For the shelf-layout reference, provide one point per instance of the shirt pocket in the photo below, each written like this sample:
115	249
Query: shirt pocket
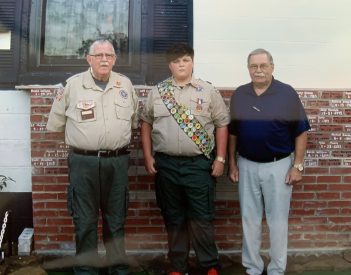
85	111
124	108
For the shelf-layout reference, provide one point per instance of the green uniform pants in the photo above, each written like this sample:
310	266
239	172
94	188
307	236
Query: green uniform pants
98	183
185	194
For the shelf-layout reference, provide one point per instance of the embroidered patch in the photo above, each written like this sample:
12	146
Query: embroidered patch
199	88
86	104
59	95
123	94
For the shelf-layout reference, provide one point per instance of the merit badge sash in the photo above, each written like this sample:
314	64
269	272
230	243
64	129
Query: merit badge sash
185	119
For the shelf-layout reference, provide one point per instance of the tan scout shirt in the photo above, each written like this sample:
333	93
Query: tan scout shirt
94	119
206	104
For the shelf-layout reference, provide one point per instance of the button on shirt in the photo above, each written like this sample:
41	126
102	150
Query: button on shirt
94	119
205	103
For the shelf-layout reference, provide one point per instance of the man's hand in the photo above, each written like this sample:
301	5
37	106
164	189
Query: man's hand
233	173
217	168
150	165
293	177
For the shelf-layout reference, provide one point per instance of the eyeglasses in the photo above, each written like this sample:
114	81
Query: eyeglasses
263	67
100	56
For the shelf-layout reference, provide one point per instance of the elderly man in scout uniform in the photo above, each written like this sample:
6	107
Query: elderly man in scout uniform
97	111
179	119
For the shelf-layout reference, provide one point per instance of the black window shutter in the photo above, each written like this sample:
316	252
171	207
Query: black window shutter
10	20
172	21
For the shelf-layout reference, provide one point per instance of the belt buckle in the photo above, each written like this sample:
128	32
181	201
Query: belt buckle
101	152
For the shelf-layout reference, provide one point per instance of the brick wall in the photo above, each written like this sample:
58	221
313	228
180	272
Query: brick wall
320	211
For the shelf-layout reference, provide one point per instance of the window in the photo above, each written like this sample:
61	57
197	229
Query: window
70	27
56	33
67	28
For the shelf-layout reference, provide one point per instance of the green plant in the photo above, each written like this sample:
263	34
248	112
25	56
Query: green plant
4	180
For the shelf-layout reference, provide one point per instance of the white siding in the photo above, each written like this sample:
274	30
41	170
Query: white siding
15	161
310	40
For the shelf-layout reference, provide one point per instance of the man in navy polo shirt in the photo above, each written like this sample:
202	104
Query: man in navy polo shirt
267	144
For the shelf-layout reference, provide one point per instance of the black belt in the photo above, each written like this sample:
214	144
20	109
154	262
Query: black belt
101	153
193	158
269	159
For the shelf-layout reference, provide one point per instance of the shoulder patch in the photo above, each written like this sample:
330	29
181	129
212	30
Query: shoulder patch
59	94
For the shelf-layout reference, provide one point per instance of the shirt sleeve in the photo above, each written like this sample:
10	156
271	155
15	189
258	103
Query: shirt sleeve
233	125
147	113
57	117
219	110
301	123
135	117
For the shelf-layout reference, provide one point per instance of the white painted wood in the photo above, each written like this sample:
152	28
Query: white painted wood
15	159
310	40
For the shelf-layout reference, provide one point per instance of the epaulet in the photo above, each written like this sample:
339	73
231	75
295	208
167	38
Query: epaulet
73	76
121	75
205	83
199	80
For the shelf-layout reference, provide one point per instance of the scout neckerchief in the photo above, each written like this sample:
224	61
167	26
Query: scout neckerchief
185	119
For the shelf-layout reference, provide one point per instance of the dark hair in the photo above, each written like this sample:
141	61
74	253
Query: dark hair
179	50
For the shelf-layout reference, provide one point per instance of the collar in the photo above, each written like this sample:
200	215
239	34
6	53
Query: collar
193	82
269	89
89	83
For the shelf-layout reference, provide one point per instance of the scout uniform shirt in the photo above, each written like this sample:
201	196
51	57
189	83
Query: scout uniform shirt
94	119
204	102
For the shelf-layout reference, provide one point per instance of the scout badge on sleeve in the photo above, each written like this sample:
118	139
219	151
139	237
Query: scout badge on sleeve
86	109
186	120
59	94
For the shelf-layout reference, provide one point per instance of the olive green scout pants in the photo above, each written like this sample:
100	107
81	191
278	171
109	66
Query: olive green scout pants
185	194
98	183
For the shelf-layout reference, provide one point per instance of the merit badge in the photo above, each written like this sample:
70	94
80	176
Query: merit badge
123	94
199	102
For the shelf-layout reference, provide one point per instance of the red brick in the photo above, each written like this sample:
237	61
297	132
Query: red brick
328	195
329	179
324	191
332	95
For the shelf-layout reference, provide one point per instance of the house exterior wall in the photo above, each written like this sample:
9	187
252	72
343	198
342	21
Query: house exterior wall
320	209
309	40
310	44
15	161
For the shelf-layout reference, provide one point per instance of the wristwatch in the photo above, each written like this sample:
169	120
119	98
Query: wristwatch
220	159
299	167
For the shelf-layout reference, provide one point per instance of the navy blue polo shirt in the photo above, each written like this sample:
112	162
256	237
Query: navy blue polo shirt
266	125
